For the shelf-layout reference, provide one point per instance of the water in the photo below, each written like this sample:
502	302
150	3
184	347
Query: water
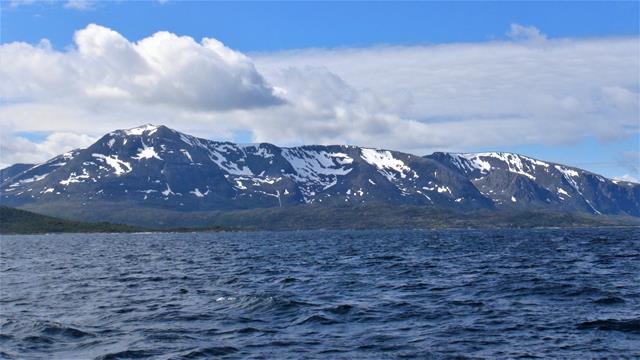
322	294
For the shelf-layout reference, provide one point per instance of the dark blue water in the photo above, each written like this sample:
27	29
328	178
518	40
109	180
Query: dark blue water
322	294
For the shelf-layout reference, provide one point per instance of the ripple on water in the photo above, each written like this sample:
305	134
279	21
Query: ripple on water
624	325
322	294
52	329
210	351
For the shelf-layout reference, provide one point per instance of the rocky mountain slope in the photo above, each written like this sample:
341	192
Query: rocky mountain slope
155	167
522	182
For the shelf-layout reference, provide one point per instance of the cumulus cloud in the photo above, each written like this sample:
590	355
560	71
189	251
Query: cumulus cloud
161	69
528	90
18	149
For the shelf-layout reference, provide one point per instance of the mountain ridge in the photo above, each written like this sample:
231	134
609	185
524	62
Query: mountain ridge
157	167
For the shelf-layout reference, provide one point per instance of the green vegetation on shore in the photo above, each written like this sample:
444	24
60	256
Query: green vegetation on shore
379	216
16	221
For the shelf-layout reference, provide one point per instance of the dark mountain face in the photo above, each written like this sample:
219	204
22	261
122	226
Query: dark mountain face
157	167
512	180
13	170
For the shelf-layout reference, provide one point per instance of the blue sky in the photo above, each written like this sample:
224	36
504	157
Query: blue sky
266	31
267	26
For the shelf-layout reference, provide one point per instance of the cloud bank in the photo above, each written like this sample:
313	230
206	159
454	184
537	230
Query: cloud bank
491	94
526	90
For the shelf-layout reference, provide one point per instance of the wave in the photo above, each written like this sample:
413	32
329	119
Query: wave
627	325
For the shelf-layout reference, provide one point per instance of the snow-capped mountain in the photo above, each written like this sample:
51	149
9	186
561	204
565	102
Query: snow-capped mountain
520	181
157	167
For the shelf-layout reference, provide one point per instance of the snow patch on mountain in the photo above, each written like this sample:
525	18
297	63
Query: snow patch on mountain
147	153
239	185
259	181
469	163
316	168
221	154
311	164
342	159
69	155
168	191
197	193
31	179
191	140
515	163
187	154
58	161
229	157
386	164
569	174
147	191
231	167
73	178
119	166
137	131
257	150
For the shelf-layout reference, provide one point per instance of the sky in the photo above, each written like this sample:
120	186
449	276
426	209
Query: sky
558	81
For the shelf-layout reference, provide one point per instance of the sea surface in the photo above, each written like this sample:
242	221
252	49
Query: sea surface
554	293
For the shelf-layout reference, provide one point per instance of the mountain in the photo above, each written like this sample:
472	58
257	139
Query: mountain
154	168
522	182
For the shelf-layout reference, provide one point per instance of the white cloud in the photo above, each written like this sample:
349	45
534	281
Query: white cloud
17	149
461	96
627	177
161	69
630	160
414	98
79	4
525	33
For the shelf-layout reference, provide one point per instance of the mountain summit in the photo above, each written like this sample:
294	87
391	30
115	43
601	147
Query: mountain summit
155	167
